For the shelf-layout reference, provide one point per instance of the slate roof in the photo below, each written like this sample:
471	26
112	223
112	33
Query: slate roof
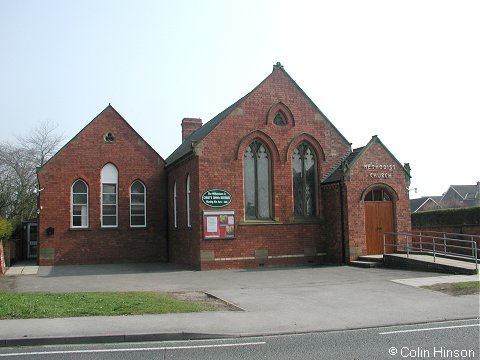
467	192
186	147
416	204
337	174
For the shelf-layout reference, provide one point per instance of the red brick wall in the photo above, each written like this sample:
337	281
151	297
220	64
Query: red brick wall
333	212
220	165
184	246
359	181
83	158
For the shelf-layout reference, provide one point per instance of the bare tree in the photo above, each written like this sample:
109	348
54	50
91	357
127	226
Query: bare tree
18	165
42	141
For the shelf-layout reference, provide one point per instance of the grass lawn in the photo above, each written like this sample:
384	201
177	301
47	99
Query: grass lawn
457	289
50	305
467	285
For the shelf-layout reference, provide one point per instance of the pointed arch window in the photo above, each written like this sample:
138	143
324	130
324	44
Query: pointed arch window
304	166
138	204
79	204
257	181
280	119
109	216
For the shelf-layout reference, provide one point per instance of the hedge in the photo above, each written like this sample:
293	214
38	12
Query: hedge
447	217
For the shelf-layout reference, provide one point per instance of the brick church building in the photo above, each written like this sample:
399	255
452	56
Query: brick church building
269	181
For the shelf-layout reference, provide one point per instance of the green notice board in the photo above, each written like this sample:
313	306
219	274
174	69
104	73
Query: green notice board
216	198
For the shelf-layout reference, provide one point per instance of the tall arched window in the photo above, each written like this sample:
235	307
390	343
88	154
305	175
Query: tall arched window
188	201
257	181
109	196
79	204
138	204
175	204
304	180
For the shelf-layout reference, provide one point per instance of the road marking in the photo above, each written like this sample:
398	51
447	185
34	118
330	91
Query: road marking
427	329
67	352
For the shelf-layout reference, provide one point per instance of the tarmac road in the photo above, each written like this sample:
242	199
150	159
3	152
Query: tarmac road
275	301
446	340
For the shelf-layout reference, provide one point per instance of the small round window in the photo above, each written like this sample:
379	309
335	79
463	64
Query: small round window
109	137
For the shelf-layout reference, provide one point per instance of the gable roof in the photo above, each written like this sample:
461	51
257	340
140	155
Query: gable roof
352	158
417	204
467	192
108	108
187	146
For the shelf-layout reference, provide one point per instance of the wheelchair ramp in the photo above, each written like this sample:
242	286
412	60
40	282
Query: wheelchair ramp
426	262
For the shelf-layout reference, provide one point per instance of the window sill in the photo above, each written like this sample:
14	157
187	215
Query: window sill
79	229
137	228
305	220
259	222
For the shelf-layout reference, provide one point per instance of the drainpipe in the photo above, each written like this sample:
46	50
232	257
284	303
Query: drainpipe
342	214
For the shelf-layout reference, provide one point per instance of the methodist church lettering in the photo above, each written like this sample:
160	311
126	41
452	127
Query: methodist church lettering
216	198
380	171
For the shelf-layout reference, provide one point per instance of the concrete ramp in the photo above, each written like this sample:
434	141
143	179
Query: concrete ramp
425	262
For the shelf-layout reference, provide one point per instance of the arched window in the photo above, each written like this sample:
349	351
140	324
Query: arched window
175	204
79	204
304	180
188	201
109	196
378	195
138	204
257	181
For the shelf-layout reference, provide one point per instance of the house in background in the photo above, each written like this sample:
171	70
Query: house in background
458	196
425	203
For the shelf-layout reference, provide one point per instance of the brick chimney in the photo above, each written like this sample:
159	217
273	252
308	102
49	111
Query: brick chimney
189	125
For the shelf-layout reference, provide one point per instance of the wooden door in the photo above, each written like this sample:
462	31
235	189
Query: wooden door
378	219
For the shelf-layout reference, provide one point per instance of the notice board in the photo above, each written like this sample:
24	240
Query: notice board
219	224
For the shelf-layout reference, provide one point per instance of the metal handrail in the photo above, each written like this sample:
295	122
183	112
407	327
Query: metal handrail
410	245
445	233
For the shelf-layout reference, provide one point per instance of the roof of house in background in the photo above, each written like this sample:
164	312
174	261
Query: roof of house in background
417	204
467	192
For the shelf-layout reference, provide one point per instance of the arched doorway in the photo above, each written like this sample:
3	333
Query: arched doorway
378	220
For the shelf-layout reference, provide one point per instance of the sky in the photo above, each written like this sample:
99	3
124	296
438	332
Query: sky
407	71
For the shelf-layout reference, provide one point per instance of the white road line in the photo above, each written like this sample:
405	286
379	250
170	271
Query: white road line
427	329
67	352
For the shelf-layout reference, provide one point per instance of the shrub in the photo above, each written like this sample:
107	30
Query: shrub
6	229
447	217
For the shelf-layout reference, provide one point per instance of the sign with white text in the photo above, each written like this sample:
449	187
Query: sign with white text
216	198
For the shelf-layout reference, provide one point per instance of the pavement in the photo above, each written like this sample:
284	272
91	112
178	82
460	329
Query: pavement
274	301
